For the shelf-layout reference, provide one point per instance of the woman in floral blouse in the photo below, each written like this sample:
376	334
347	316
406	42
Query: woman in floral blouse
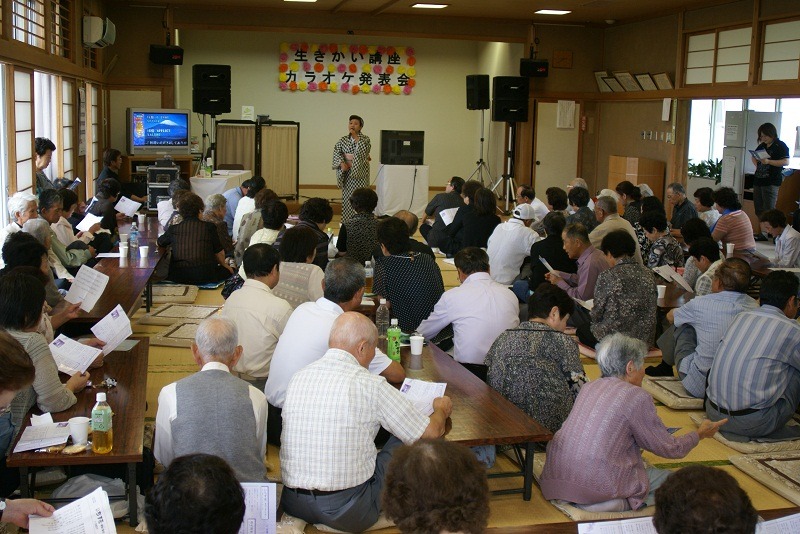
664	249
536	366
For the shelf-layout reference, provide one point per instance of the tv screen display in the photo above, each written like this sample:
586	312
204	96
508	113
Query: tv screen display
157	131
402	147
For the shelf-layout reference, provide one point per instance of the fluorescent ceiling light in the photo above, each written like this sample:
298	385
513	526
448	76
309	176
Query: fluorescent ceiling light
552	12
309	1
430	6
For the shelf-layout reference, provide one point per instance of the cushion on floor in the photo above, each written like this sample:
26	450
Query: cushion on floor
178	334
176	294
751	447
170	313
670	392
780	472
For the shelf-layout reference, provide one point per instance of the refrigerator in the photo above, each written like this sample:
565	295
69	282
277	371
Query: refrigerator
741	135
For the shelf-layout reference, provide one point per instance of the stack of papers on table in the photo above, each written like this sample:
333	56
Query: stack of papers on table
422	393
88	515
39	436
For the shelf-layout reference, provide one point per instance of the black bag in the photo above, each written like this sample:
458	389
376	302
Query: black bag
232	284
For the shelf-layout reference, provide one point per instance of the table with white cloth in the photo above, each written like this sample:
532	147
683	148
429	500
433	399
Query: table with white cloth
402	187
219	182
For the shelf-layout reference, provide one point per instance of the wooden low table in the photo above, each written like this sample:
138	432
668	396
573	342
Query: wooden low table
674	297
760	265
127	400
481	416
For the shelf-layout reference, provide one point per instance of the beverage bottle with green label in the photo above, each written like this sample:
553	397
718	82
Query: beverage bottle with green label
102	433
393	341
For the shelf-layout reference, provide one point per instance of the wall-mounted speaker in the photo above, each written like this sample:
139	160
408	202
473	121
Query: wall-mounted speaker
509	99
534	68
211	101
166	55
478	91
211	76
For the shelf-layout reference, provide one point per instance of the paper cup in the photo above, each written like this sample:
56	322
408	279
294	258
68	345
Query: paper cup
662	290
144	250
79	430
123	261
123	250
730	247
142	219
416	344
143	261
123	238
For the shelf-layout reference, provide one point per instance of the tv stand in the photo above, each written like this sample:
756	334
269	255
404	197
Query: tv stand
129	172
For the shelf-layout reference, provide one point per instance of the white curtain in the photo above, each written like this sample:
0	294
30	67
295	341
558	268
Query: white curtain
45	90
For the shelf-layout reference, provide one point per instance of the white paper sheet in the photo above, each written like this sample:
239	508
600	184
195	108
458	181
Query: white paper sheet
547	264
260	508
114	328
88	515
759	154
666	109
72	357
422	393
127	206
44	419
671	275
451	261
588	304
448	215
784	525
87	288
636	525
728	170
40	436
790	269
88	221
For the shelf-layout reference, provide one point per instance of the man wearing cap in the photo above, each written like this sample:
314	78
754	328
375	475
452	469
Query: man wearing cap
510	244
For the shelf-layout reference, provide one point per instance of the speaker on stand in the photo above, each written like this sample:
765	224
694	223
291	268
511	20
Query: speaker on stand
211	95
478	98
509	105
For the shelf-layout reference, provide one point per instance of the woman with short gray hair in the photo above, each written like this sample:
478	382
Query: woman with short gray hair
214	212
595	460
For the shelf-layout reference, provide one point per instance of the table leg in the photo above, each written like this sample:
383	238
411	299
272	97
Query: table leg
24	489
133	512
148	299
528	474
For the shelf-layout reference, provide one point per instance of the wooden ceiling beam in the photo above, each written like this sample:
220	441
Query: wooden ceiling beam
339	6
383	7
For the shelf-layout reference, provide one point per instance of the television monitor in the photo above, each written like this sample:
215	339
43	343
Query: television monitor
402	147
158	131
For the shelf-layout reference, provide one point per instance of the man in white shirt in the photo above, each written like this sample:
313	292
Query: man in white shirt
510	244
305	338
247	204
212	411
479	310
787	239
605	210
526	195
331	470
259	315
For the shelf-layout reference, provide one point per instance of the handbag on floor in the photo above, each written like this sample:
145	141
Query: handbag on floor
232	284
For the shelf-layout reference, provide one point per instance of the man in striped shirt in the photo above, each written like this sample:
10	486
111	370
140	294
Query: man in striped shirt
755	378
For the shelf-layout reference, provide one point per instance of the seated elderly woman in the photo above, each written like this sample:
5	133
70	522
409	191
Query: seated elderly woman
648	205
21	207
435	486
625	296
21	302
734	225
536	366
39	229
216	205
197	254
103	202
358	236
703	500
24	250
595	460
166	208
50	206
301	280
663	248
316	213
252	222
273	217
66	232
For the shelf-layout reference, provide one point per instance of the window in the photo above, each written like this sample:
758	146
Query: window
4	178
93	138
60	28
45	91
707	127
27	22
23	129
790	122
89	54
718	57
67	128
781	53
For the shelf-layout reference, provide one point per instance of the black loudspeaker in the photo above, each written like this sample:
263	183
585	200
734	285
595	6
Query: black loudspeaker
533	68
166	55
211	101
211	76
510	99
211	89
478	91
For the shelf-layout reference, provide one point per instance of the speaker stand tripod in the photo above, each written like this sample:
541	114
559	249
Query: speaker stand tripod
481	164
509	189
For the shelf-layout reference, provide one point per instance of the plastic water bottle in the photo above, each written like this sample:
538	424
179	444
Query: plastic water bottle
393	341
382	316
133	236
102	431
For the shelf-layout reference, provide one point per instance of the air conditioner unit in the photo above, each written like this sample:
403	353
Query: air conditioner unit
98	33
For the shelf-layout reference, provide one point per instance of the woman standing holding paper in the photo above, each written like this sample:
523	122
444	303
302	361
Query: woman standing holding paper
768	176
351	162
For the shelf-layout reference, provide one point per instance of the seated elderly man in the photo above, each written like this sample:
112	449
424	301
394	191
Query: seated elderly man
197	493
332	472
705	259
527	195
410	281
188	408
595	460
433	229
625	296
436	485
701	323
755	379
787	239
305	337
233	196
510	243
591	262
479	311
703	500
412	221
605	211
259	315
682	208
21	208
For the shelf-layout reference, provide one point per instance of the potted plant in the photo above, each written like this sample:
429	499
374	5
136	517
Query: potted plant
710	168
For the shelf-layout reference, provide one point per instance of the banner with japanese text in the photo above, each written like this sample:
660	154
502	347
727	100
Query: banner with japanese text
350	69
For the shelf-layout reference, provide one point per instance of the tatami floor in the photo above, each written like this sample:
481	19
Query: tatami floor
169	364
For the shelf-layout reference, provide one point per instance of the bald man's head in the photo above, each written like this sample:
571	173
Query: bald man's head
354	333
410	219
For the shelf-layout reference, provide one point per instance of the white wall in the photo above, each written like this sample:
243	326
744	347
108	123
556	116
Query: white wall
437	105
